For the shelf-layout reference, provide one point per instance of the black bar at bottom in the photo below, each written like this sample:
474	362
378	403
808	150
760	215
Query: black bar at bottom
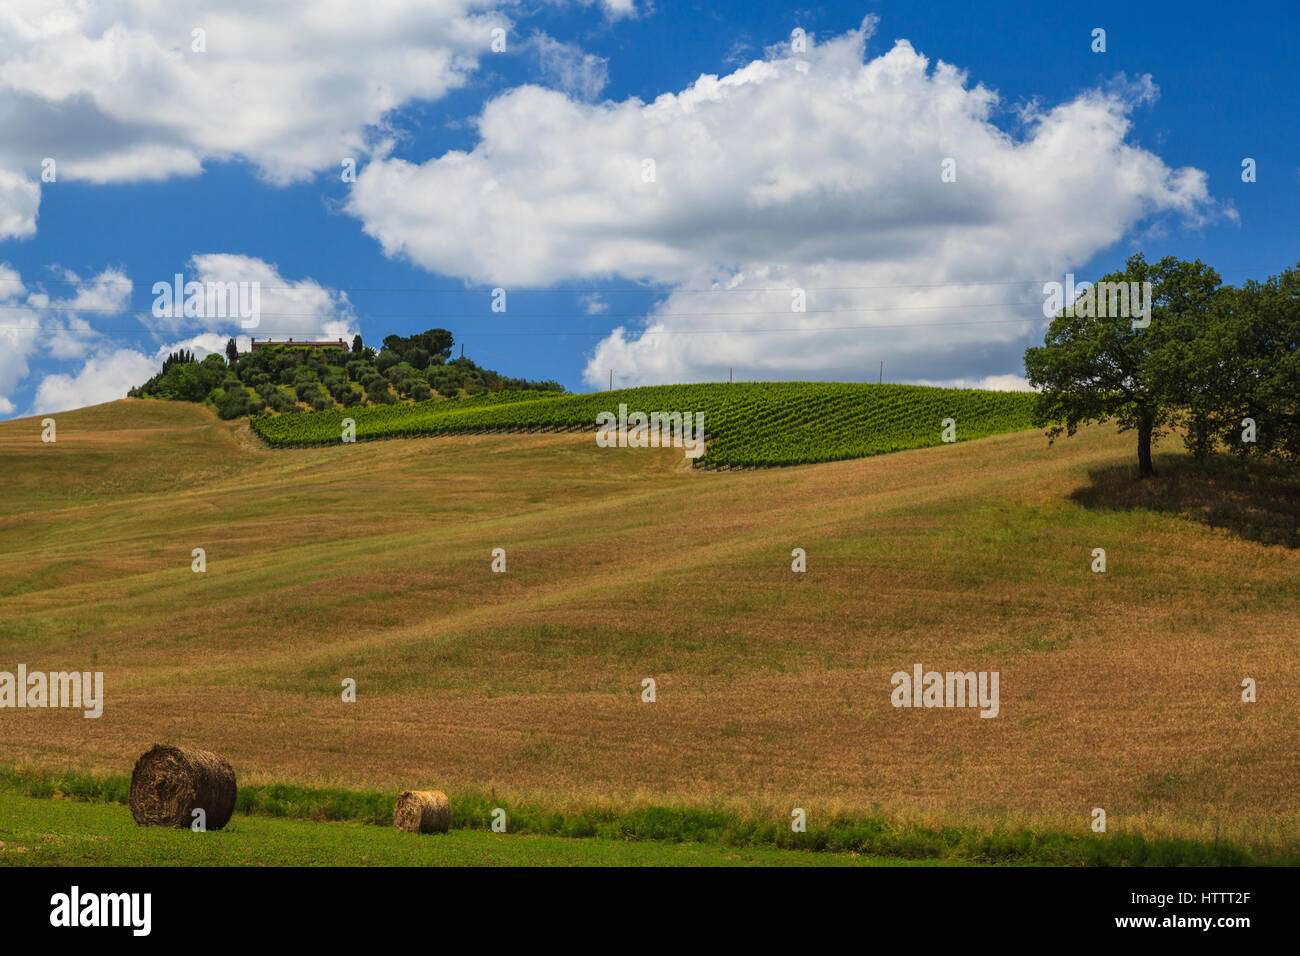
976	905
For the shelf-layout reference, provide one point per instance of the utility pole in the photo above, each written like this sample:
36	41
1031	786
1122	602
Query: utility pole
882	372
611	380
731	375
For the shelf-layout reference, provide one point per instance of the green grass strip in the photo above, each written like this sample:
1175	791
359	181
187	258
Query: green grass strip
871	836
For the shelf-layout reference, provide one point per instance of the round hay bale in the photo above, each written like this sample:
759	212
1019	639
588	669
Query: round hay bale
422	811
170	783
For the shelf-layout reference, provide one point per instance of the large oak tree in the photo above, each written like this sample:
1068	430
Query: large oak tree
1096	368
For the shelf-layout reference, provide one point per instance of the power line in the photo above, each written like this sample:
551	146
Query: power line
470	335
549	315
487	290
816	328
575	290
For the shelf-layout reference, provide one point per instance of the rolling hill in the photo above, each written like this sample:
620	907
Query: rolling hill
748	424
372	562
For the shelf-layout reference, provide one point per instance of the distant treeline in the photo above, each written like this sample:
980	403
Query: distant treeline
285	378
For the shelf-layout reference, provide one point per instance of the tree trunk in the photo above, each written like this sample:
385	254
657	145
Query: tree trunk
1144	447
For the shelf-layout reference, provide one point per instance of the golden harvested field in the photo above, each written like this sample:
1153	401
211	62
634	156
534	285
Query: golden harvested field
373	562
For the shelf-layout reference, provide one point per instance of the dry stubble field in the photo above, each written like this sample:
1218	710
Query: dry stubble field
372	561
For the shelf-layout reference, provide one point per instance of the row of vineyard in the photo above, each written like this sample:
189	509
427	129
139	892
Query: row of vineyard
747	424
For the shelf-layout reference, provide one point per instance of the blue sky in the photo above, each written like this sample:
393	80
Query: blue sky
816	169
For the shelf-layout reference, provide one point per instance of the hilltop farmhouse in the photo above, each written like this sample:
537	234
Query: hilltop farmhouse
271	343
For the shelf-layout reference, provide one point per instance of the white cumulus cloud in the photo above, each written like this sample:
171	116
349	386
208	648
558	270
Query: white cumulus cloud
19	332
820	171
20	198
99	380
131	90
289	308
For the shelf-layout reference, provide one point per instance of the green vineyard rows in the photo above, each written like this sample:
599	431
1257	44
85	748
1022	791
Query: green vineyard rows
747	424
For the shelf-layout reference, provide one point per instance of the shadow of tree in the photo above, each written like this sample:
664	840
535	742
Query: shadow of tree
1260	502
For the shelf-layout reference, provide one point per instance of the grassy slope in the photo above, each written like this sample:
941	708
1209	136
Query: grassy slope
875	839
64	833
752	423
372	562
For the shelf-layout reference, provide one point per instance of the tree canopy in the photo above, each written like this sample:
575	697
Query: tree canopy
1209	358
286	378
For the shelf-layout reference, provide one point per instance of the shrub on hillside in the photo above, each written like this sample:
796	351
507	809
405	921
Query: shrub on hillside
377	391
233	403
399	372
279	402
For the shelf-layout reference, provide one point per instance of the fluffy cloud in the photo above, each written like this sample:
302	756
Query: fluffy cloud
819	171
35	322
99	380
301	308
569	68
117	91
291	85
594	304
614	9
65	331
18	335
20	198
992	383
